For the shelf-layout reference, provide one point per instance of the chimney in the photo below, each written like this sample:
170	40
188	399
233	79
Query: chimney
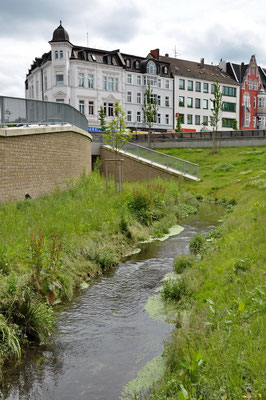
201	62
155	53
222	65
166	55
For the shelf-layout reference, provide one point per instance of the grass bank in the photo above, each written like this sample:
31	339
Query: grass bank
217	350
54	245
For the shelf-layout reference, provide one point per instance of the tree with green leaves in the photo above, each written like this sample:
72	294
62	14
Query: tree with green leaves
102	119
216	114
116	132
149	110
235	127
178	127
116	135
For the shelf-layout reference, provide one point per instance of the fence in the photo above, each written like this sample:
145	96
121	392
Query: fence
169	162
18	112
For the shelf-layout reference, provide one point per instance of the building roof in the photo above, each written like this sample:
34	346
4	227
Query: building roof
60	34
192	69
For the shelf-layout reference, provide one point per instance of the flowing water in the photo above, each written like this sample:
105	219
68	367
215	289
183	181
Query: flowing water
105	336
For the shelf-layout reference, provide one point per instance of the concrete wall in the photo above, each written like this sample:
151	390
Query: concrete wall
35	160
133	169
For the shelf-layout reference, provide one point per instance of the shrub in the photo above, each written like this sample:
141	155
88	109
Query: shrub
196	244
174	289
183	262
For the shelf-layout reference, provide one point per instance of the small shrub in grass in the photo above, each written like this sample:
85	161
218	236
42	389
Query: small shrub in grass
196	244
174	289
183	262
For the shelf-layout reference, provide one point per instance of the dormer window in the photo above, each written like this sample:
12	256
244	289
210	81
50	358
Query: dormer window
151	68
109	60
61	54
165	69
128	63
56	54
137	64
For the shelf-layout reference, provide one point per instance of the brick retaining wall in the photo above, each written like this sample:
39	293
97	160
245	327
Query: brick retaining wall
36	160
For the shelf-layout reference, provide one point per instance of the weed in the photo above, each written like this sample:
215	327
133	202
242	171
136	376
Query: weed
196	244
183	262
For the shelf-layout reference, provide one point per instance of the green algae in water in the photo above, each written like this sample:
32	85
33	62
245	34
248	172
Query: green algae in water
161	311
150	373
175	230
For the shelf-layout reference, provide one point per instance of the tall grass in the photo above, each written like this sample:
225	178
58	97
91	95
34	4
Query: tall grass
51	245
218	351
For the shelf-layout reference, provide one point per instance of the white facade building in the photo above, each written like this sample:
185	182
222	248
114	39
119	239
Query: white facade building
89	78
193	91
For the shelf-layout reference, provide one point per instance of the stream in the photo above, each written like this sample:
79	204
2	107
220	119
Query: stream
104	336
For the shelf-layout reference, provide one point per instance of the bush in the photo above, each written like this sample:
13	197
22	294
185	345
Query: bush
174	289
183	262
196	244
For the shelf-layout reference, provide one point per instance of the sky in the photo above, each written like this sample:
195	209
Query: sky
189	29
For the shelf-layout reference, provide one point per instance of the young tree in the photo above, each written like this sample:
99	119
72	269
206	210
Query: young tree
149	110
235	125
102	119
178	124
216	114
117	134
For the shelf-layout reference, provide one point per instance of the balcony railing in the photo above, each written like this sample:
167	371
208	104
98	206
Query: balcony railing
19	112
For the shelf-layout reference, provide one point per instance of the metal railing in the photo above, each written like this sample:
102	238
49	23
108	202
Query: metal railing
19	112
183	167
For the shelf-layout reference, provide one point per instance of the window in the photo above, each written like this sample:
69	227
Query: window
227	122
59	80
151	68
165	69
254	122
182	118
61	54
189	119
260	102
116	84
109	60
81	80
139	98
253	71
189	85
231	107
256	85
197	103
91	107
45	83
182	84
56	54
108	109
167	103
198	86
159	82
246	99
155	99
138	116
229	91
90	81
197	119
129	97
127	62
129	78
158	120
189	102
129	116
205	88
167	84
37	89
250	84
254	101
137	64
139	80
205	104
110	84
82	106
167	119
205	120
158	99
105	82
213	88
181	101
59	100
